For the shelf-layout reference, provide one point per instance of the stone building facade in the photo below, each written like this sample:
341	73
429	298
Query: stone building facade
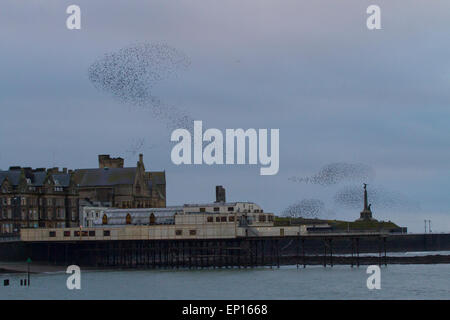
112	185
36	198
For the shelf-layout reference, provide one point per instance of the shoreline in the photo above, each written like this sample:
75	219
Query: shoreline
21	267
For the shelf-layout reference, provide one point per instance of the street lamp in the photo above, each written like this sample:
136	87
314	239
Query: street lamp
28	270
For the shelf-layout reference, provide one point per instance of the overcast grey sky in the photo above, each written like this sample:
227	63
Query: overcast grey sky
337	91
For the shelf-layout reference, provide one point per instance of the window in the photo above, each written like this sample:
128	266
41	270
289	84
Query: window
178	232
192	232
217	219
210	219
104	219
230	208
106	233
262	218
128	219
270	218
223	219
231	218
216	209
52	234
76	233
66	233
84	233
202	209
92	233
152	218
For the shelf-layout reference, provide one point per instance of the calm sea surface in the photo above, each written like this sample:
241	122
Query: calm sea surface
287	282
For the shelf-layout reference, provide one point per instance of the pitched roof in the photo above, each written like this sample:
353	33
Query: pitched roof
12	175
39	178
62	179
105	176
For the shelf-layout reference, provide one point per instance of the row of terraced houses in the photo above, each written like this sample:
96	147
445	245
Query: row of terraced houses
52	198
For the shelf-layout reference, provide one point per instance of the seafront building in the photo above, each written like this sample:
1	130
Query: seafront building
89	214
53	198
113	185
37	198
218	220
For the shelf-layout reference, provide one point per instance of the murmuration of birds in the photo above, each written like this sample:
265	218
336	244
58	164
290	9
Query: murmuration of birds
335	173
307	208
351	197
131	73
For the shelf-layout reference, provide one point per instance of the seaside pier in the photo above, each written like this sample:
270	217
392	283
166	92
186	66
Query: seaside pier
220	235
240	252
207	253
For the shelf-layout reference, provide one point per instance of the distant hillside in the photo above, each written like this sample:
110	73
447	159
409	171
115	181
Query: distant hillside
339	224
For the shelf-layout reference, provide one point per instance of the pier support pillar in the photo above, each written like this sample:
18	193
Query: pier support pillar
357	252
331	251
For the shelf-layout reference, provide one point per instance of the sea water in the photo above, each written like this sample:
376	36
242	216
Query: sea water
286	282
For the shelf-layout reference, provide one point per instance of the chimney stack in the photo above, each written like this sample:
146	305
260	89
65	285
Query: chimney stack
220	194
105	161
